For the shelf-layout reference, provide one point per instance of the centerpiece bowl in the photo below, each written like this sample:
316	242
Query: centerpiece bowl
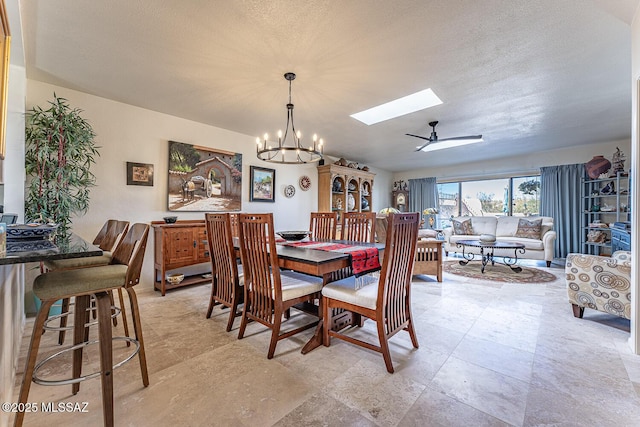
292	236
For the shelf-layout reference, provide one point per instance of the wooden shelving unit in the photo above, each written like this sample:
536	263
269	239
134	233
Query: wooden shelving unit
616	204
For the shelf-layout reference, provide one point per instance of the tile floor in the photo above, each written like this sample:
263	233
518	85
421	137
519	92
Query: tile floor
491	354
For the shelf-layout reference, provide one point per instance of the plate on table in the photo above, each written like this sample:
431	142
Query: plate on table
30	231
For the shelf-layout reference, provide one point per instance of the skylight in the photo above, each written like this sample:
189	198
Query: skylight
441	145
399	107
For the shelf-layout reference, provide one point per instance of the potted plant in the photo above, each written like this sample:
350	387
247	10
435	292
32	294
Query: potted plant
59	152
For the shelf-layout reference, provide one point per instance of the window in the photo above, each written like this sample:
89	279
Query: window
518	196
449	197
526	196
485	198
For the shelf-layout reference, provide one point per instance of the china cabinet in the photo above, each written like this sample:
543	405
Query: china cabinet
344	189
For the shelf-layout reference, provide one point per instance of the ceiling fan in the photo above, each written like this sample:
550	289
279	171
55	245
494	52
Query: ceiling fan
462	140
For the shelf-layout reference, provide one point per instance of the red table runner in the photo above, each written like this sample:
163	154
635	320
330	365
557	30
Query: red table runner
364	259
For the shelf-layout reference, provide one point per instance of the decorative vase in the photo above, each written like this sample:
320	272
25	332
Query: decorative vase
596	166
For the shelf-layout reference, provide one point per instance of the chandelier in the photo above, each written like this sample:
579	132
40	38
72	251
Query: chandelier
294	153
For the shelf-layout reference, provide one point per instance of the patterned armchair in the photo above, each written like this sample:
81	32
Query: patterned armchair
600	283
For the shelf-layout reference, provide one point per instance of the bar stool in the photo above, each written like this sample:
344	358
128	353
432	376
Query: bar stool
107	238
122	272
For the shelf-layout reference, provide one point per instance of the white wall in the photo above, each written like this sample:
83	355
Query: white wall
634	340
519	165
13	165
128	133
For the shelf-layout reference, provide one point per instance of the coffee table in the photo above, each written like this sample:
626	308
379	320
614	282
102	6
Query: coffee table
487	250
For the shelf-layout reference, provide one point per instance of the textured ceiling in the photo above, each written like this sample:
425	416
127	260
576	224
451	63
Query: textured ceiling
528	75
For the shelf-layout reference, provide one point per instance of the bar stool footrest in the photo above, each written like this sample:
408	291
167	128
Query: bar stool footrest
41	381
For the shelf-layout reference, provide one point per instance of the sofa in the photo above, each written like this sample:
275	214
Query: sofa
535	233
600	283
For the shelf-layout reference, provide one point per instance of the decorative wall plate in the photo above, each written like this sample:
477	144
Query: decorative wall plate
305	183
289	190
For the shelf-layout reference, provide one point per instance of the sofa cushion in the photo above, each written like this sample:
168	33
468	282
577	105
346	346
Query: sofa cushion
529	229
529	244
507	226
484	224
462	227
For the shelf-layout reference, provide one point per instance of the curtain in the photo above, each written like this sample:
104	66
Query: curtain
560	198
423	193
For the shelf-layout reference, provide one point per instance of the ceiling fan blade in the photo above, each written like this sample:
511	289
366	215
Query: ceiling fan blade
418	136
424	145
461	138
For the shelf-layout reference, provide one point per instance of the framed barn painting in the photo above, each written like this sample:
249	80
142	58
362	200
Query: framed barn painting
263	182
203	179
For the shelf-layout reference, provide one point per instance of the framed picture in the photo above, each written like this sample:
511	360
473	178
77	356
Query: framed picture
263	182
204	179
139	174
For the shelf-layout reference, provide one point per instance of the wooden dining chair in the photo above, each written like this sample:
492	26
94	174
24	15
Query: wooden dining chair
234	224
268	291
359	226
107	238
226	281
323	225
388	301
123	272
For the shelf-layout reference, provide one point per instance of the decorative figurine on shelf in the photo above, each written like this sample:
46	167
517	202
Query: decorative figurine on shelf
338	204
596	236
617	162
610	188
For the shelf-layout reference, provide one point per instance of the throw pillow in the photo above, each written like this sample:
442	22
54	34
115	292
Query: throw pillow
529	229
462	227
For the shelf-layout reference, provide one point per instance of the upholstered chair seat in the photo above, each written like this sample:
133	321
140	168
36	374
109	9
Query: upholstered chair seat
599	283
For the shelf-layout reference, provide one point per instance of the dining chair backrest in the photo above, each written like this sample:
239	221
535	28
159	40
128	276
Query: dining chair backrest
397	269
223	258
359	226
130	252
260	263
323	225
110	234
234	224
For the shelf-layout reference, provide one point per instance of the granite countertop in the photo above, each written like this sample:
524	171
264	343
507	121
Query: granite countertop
34	250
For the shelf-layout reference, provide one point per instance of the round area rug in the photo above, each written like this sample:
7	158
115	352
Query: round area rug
498	272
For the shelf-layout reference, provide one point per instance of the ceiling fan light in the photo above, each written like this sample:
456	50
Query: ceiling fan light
441	145
399	107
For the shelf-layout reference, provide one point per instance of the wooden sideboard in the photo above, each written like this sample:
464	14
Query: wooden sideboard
177	245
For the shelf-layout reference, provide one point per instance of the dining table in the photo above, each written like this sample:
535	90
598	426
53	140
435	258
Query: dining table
12	290
329	265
